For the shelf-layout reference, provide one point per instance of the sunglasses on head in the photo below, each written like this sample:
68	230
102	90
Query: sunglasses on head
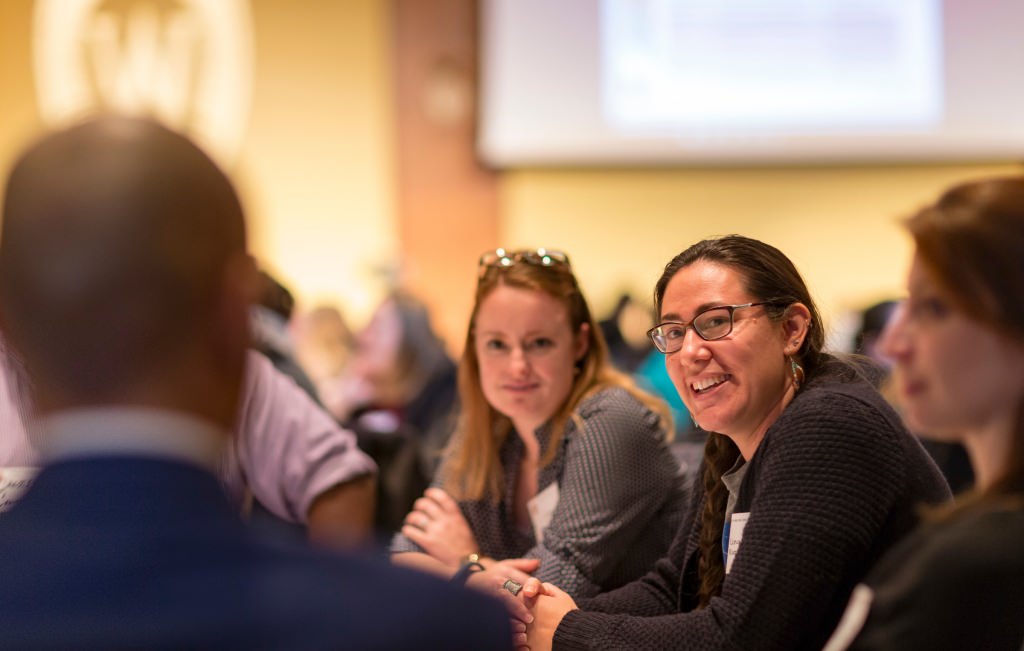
502	258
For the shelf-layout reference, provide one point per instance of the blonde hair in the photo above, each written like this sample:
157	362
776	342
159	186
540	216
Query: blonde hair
472	468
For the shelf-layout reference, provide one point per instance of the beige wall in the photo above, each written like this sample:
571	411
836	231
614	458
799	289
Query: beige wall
318	164
839	225
19	118
316	169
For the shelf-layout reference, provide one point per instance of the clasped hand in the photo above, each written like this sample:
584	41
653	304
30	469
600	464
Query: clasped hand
547	605
437	525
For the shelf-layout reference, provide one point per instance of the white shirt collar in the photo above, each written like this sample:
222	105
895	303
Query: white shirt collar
133	431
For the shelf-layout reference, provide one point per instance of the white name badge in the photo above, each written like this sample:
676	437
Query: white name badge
13	484
541	507
736	527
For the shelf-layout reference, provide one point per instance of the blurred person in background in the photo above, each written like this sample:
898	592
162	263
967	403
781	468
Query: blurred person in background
958	349
271	335
289	472
289	468
808	475
400	400
323	348
872	322
125	286
559	465
286	458
949	456
625	333
292	469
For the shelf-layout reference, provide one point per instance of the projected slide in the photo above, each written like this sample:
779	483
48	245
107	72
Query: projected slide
749	82
770	65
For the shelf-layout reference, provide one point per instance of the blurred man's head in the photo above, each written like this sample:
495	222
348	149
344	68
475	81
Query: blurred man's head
872	324
124	277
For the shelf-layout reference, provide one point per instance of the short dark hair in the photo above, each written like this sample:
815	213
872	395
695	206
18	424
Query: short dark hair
116	233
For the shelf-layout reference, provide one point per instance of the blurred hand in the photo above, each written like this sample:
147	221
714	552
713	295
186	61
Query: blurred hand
519	636
437	525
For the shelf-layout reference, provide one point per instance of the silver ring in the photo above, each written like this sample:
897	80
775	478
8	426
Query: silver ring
512	586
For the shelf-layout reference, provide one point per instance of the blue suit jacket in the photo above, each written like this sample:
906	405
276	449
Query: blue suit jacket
146	553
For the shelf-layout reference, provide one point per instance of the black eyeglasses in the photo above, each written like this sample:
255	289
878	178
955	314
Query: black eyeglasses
500	258
710	324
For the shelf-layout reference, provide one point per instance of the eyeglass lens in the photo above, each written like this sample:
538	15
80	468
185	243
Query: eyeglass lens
709	325
713	323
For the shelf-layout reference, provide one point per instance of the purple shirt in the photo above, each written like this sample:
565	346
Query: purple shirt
285	449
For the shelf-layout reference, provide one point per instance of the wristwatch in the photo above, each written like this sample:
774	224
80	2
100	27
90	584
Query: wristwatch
465	570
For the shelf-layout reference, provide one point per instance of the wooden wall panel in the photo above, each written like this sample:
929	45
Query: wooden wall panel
447	202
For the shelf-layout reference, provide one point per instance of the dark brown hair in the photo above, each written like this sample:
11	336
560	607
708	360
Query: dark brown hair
972	242
769	276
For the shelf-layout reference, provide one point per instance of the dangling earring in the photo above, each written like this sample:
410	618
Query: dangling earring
798	373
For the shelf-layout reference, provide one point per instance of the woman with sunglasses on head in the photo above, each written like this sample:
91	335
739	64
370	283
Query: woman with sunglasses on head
808	474
958	349
559	466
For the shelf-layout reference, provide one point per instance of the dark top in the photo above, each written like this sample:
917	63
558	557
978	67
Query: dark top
952	460
143	553
833	485
951	586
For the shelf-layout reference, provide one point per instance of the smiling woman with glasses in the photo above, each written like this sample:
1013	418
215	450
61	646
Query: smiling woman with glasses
559	465
808	474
